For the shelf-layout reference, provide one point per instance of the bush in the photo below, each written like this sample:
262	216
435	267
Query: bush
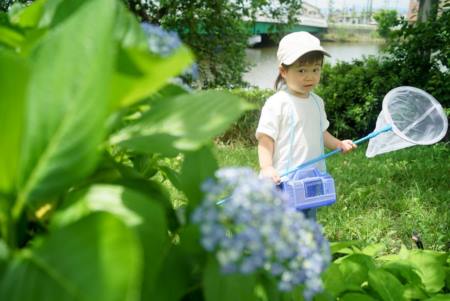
243	131
353	94
419	55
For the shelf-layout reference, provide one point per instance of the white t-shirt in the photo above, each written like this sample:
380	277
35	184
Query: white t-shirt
296	125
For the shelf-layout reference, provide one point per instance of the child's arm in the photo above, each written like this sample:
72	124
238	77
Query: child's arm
332	143
265	154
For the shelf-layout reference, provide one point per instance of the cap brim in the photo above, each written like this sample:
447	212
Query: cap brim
294	58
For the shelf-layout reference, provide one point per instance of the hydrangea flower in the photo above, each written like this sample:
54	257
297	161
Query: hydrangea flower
160	41
253	230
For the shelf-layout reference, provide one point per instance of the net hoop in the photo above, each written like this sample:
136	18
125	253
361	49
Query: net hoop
437	106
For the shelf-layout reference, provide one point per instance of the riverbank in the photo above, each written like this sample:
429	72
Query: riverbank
351	33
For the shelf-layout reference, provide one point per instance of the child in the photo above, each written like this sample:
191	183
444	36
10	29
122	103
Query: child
293	125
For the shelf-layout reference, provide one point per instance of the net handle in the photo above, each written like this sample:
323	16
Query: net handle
324	156
338	150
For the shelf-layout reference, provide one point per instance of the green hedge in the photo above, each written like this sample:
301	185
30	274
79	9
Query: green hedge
243	131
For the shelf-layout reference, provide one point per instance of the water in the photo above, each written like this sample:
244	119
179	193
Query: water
265	71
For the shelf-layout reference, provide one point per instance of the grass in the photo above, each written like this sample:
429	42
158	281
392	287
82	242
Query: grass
382	199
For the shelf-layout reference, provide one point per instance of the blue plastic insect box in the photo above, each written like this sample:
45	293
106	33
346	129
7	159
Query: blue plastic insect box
309	188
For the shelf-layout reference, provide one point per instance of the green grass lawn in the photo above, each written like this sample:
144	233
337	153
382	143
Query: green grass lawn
382	199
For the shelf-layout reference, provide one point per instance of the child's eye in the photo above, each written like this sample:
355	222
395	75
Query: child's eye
302	70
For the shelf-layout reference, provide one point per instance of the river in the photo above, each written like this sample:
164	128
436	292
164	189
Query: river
264	60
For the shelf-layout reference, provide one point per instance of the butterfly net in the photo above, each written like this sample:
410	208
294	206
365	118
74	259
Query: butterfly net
416	117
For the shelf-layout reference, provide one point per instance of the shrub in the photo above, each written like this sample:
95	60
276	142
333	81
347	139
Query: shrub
243	130
353	94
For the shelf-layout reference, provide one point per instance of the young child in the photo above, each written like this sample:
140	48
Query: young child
293	125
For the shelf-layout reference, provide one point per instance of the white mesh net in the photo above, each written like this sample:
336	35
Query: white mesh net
416	117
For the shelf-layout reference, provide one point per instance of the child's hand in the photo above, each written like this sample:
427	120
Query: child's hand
347	146
271	173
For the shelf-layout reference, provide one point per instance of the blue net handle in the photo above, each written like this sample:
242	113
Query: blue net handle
338	150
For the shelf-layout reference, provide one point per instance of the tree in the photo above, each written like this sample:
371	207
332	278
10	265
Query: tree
386	20
216	30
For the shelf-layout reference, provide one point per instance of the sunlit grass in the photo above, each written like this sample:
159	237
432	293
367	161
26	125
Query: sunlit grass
382	199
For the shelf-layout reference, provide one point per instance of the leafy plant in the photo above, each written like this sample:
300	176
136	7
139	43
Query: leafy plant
386	19
364	274
90	119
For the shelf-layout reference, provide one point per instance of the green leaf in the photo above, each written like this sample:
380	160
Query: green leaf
333	280
184	123
415	292
28	16
128	31
404	271
172	286
137	210
139	73
439	297
187	259
197	167
66	102
11	38
373	249
448	276
220	287
355	268
97	258
430	265
385	285
4	256
357	297
14	75
337	246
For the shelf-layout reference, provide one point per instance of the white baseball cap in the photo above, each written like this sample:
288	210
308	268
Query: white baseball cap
296	44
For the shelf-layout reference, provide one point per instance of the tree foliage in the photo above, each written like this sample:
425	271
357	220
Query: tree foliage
386	19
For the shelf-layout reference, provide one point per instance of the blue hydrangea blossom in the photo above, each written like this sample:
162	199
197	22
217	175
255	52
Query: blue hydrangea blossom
160	41
253	231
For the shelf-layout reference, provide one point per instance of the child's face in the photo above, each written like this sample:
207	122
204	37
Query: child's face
302	78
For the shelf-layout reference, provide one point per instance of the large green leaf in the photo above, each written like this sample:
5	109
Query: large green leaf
430	266
67	102
28	16
355	268
439	297
13	81
171	285
404	271
187	259
220	287
135	209
128	31
96	258
385	285
197	167
4	256
140	73
11	38
334	281
356	297
337	246
415	292
184	123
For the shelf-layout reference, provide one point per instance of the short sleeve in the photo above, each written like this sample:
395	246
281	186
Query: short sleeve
269	121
